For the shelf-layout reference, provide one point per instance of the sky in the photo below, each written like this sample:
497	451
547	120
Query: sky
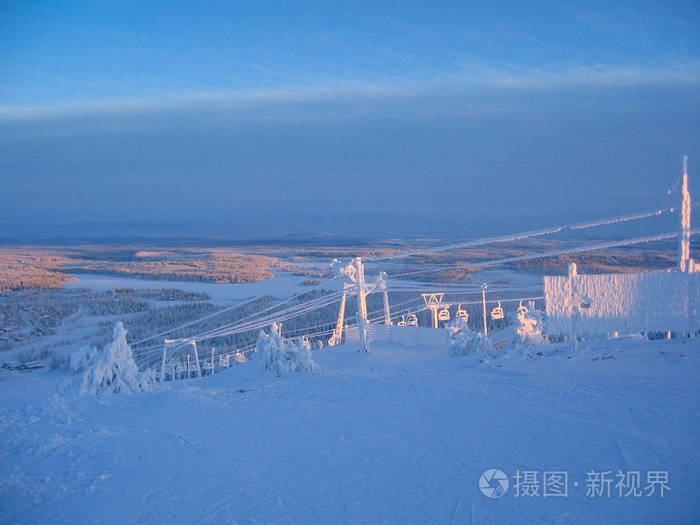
376	119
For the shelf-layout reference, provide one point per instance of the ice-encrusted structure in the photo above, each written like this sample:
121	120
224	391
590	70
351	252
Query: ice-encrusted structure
113	369
464	342
589	305
283	357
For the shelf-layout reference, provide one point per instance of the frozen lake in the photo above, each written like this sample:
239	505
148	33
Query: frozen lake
282	286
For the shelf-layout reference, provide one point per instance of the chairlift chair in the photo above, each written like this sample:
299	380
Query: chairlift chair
209	364
522	309
402	322
444	314
497	312
334	339
462	313
412	320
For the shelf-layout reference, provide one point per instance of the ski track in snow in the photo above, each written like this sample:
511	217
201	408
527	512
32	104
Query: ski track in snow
400	435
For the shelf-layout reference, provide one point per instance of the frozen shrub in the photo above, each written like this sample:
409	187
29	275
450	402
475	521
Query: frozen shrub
530	330
113	369
464	342
281	357
81	358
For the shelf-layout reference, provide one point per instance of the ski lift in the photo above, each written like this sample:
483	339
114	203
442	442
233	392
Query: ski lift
444	314
208	364
497	313
181	368
462	313
412	320
402	322
334	339
240	357
522	309
172	369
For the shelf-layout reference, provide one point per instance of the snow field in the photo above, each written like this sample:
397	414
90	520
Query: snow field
400	435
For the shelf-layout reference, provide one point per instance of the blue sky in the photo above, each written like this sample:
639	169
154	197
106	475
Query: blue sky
403	118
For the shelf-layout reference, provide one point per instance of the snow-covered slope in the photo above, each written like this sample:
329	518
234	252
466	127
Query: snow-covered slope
400	435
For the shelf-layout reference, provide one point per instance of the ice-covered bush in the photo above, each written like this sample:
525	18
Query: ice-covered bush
464	342
530	329
112	369
283	357
81	358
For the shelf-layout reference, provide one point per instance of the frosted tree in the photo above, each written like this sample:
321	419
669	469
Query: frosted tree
113	369
281	357
80	359
464	342
530	329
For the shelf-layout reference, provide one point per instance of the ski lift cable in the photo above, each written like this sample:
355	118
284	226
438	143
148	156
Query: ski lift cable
266	321
256	314
252	318
528	234
245	327
197	320
448	291
594	247
564	251
421	284
208	334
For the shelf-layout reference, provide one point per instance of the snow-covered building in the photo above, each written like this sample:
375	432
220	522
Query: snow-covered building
589	305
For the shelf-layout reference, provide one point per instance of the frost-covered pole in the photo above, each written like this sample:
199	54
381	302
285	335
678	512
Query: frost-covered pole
684	237
337	336
212	359
361	304
573	307
381	281
196	358
162	366
434	309
483	301
387	312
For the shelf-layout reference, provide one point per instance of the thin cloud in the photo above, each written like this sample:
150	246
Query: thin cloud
469	79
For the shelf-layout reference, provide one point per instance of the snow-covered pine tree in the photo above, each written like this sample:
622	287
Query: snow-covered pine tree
113	369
